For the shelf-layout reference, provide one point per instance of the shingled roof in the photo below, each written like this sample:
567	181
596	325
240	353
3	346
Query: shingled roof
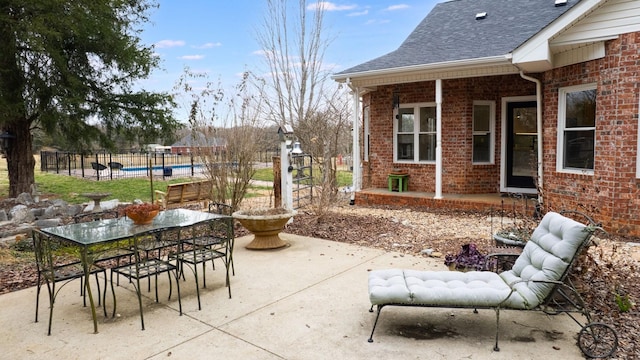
451	32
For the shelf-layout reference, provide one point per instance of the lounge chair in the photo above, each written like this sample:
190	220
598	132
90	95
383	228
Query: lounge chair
114	165
538	281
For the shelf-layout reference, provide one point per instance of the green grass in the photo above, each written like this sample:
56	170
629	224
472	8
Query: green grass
71	188
266	174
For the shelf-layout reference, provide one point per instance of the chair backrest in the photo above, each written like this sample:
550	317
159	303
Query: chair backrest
97	166
43	253
115	165
545	259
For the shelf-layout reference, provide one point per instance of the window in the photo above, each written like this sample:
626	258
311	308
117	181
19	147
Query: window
576	128
415	133
483	130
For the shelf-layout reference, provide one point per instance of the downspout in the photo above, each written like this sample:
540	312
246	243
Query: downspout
438	189
539	131
356	175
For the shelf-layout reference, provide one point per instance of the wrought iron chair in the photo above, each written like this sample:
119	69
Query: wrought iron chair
53	269
222	240
146	267
206	242
106	257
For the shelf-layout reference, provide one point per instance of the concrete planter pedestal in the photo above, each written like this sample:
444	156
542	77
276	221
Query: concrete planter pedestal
265	228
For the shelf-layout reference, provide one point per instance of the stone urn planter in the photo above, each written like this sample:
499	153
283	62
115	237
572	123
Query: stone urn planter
509	239
265	225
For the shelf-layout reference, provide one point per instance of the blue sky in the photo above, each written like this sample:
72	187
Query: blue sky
218	36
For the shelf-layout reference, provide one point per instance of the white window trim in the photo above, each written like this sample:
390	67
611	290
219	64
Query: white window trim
562	109
416	133
492	132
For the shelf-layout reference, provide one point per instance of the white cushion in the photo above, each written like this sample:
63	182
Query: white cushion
545	257
450	288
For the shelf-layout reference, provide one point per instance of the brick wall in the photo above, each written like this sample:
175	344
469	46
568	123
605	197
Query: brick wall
460	176
611	194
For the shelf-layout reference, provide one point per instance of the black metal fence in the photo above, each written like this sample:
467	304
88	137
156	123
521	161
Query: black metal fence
106	166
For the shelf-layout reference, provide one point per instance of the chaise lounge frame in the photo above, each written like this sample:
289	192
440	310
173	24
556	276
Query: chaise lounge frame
538	281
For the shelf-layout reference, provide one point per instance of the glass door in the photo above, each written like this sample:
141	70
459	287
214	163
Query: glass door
522	145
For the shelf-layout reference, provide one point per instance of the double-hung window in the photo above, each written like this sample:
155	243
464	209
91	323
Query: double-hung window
483	132
415	133
576	129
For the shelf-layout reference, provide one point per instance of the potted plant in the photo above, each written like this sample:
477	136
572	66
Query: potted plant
265	224
468	259
517	227
512	236
142	214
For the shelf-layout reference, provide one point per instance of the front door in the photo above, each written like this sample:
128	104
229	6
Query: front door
521	145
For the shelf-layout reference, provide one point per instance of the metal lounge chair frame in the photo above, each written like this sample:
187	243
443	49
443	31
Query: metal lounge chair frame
539	281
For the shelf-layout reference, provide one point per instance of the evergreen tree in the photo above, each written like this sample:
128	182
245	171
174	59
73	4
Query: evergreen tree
70	68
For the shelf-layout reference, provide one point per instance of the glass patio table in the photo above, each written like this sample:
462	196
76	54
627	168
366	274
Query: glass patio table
88	234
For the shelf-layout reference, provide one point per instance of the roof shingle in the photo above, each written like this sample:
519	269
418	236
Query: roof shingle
450	32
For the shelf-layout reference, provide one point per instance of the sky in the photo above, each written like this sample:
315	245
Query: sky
219	36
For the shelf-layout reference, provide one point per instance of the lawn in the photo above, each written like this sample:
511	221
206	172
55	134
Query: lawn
71	188
266	174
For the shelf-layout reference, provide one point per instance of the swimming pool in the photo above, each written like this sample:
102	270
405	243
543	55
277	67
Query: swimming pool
159	167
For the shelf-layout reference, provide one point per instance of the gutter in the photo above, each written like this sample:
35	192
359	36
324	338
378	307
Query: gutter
538	130
454	65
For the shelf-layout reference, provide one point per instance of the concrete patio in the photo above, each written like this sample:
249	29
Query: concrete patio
305	301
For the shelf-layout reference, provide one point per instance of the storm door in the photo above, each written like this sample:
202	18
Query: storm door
521	145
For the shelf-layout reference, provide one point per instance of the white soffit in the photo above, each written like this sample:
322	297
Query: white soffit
537	50
614	17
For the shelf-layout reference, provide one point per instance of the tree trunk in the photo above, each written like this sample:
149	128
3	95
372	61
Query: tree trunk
20	160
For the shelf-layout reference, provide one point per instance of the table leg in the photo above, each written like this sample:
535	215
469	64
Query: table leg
87	287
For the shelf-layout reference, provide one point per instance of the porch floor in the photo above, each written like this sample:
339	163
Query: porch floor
476	202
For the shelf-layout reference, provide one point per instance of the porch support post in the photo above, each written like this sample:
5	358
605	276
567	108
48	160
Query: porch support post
357	170
438	194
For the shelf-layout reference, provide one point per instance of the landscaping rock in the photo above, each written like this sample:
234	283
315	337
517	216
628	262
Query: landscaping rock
25	199
21	214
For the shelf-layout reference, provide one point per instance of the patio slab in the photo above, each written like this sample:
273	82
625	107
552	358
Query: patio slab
306	301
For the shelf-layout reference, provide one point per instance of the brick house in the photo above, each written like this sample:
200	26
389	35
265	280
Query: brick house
488	97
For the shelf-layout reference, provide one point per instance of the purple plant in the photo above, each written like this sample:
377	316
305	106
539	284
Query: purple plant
469	258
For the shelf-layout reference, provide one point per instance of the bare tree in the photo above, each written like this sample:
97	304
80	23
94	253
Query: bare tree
323	134
298	90
225	134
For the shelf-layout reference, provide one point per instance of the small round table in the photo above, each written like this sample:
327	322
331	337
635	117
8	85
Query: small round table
96	197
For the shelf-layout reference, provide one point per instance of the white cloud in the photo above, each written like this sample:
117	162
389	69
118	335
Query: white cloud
329	6
192	57
360	13
169	43
397	7
209	45
376	22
